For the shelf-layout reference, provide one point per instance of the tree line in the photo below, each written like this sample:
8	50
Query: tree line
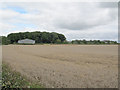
93	42
39	37
47	37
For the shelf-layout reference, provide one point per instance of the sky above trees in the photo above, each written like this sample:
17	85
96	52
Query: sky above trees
76	20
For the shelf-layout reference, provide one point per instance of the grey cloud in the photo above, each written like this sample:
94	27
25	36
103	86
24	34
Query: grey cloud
94	35
84	21
108	4
67	17
75	26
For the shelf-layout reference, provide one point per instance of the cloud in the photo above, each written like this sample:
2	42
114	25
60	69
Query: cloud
6	28
108	5
107	32
76	20
84	17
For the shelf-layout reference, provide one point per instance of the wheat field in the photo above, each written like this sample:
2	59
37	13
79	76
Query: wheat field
65	66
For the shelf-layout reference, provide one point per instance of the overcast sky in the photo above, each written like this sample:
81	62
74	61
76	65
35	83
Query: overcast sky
76	20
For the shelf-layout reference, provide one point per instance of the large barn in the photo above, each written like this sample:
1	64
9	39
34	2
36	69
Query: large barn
26	41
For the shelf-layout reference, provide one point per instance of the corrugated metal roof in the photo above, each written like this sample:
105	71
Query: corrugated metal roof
26	41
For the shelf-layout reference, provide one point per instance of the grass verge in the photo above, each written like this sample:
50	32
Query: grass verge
13	79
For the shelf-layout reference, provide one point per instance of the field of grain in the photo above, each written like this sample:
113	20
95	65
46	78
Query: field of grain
67	66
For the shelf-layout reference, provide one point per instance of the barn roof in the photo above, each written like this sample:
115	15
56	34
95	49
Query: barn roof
26	41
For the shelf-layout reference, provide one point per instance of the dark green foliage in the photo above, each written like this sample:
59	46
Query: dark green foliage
61	37
0	40
12	79
5	40
93	42
39	37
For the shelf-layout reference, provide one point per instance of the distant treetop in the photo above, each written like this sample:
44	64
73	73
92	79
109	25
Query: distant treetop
39	37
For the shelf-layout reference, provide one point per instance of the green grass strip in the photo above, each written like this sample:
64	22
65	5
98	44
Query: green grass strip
13	79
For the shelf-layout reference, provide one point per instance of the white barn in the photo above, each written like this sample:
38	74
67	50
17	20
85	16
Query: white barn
26	41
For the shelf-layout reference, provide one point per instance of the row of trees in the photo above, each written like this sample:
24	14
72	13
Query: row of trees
4	40
47	37
93	42
39	37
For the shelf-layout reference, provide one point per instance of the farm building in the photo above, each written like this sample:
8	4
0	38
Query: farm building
26	41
